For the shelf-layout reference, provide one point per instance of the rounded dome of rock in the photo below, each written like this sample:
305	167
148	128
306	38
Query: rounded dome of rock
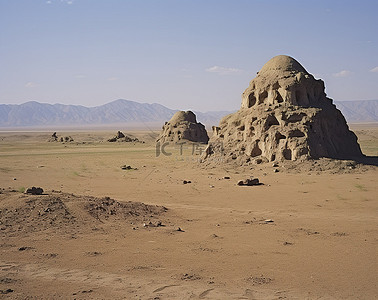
282	63
285	115
183	126
182	116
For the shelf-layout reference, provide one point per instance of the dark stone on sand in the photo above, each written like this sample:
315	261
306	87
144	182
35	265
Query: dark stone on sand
24	248
34	191
120	135
249	182
7	291
126	167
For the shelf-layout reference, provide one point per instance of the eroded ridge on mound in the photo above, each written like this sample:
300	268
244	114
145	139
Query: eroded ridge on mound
183	126
285	115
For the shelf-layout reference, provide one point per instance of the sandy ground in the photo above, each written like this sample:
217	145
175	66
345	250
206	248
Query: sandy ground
310	235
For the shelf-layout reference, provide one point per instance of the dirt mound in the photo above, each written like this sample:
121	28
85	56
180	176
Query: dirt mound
183	126
285	115
107	208
30	213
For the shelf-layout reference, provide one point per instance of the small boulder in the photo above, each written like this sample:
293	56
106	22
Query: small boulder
34	191
7	291
126	167
249	182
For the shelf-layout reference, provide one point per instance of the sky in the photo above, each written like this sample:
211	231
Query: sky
184	54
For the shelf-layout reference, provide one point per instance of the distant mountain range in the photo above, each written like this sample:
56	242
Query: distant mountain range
35	114
362	111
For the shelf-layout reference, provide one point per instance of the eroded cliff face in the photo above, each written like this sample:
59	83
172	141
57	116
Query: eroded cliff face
183	126
285	115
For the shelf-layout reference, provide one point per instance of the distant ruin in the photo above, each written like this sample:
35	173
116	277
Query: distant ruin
183	126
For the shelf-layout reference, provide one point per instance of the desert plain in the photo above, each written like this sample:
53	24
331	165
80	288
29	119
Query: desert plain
304	233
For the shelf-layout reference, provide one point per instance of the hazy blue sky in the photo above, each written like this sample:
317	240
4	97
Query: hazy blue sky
185	54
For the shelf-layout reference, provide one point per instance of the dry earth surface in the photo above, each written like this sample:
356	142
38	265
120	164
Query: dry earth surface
301	235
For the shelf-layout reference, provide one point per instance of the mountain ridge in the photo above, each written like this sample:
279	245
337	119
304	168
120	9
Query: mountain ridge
33	113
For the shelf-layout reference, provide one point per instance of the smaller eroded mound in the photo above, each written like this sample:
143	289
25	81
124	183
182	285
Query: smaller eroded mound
183	126
21	213
121	137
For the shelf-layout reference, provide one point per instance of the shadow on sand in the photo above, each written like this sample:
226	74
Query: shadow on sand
367	160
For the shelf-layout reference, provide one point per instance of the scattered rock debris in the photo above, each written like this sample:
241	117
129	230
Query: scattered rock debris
127	167
187	276
121	137
150	224
259	280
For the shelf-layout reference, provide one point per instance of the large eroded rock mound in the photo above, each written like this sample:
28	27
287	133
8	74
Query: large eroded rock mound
183	126
285	115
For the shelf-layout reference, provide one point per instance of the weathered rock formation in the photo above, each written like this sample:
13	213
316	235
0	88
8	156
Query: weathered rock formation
120	137
54	138
183	126
285	115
